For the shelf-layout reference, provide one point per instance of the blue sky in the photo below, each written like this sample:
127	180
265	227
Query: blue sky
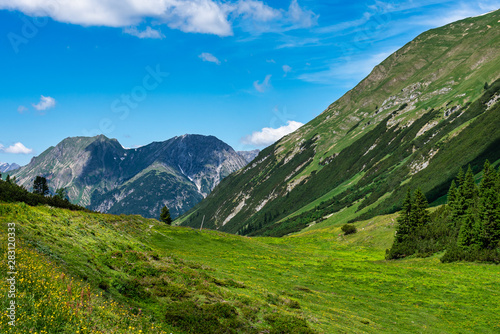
140	71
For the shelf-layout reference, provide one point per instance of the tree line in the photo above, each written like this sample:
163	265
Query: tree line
467	227
10	192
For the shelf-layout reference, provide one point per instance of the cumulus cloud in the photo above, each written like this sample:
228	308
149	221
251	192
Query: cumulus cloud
205	56
17	148
286	69
202	16
148	33
46	102
193	16
267	136
22	109
261	87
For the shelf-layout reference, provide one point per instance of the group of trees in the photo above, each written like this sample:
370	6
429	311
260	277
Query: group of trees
467	227
12	192
412	222
475	216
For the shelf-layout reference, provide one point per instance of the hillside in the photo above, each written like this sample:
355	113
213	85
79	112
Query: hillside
184	280
429	109
100	174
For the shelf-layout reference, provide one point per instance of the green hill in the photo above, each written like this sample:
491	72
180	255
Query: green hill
429	109
145	275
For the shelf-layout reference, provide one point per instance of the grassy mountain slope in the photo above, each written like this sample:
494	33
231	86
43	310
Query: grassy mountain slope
427	110
227	283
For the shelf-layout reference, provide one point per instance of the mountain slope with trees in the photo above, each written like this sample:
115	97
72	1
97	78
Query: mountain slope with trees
426	111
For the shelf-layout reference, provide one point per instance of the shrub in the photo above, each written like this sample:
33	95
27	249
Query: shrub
349	229
281	324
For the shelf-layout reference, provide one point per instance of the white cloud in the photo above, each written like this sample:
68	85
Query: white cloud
301	18
264	85
205	56
256	10
197	16
17	148
201	16
46	102
286	69
148	33
267	136
22	109
193	16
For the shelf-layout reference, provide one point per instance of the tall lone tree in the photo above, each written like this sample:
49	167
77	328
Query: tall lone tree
165	216
40	186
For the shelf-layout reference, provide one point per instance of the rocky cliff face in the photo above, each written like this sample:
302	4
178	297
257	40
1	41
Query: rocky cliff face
102	175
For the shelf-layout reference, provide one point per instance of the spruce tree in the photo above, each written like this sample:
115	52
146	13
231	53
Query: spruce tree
405	219
469	188
165	216
470	231
489	203
419	215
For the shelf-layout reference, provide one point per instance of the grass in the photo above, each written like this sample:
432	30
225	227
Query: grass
319	280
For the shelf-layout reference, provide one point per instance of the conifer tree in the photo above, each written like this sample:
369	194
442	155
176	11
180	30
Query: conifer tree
470	231
404	220
469	188
419	215
489	208
165	216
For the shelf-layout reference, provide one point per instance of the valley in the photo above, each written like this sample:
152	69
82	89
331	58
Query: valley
335	283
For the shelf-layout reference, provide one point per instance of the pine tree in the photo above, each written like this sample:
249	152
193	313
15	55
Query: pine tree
165	216
419	215
40	186
404	220
489	208
470	231
452	194
469	188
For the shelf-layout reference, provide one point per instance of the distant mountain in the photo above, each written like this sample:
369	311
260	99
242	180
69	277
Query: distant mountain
427	110
5	167
249	155
103	176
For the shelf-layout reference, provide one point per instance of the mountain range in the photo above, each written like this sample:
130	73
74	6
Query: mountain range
5	167
426	111
100	174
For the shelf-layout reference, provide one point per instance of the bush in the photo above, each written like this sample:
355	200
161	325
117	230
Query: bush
281	324
349	229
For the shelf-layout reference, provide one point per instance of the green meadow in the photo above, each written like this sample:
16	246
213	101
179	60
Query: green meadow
184	280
